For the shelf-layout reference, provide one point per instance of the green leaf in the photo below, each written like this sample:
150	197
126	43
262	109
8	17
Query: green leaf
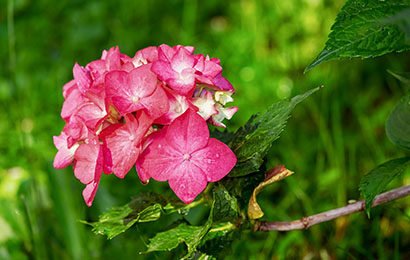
367	29
223	136
398	124
377	179
143	208
225	206
218	241
242	187
252	141
183	233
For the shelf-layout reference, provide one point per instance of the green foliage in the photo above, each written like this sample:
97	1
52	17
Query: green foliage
367	28
218	241
225	207
252	142
377	179
263	47
145	207
183	233
398	124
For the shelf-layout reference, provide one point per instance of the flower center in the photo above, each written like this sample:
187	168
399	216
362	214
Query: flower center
186	157
135	99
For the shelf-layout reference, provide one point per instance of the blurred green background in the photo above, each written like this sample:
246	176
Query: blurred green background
331	141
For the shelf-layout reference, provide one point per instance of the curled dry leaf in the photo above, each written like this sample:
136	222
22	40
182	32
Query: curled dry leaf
275	174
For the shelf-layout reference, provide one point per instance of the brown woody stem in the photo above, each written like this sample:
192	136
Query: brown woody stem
306	222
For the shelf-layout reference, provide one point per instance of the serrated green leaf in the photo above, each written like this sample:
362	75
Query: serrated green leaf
218	241
223	136
183	233
398	124
367	28
252	141
377	179
225	206
143	208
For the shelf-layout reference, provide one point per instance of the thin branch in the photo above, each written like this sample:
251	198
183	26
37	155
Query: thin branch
306	222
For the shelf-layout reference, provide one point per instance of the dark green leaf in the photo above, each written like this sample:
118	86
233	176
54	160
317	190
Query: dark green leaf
242	187
223	136
252	141
377	179
143	208
367	29
225	207
218	241
398	124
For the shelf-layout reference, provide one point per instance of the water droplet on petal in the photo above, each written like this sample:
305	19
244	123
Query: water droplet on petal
145	182
209	161
217	155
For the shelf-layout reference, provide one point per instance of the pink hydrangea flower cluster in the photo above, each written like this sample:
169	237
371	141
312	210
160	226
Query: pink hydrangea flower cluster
150	111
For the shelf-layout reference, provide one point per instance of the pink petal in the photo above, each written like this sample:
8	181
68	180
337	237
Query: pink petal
112	57
65	155
150	54
97	69
127	89
188	133
119	92
223	83
206	105
68	87
216	160
158	160
163	70
124	144
90	190
183	83
82	78
92	112
156	104
187	181
89	161
71	104
178	104
165	53
142	81
182	60
76	130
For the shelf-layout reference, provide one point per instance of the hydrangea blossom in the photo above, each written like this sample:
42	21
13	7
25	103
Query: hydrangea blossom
119	111
186	157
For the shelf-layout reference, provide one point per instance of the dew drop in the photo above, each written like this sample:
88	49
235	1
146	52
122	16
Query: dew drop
209	161
217	155
145	182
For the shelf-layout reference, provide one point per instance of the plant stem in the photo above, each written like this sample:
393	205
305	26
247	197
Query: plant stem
306	222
